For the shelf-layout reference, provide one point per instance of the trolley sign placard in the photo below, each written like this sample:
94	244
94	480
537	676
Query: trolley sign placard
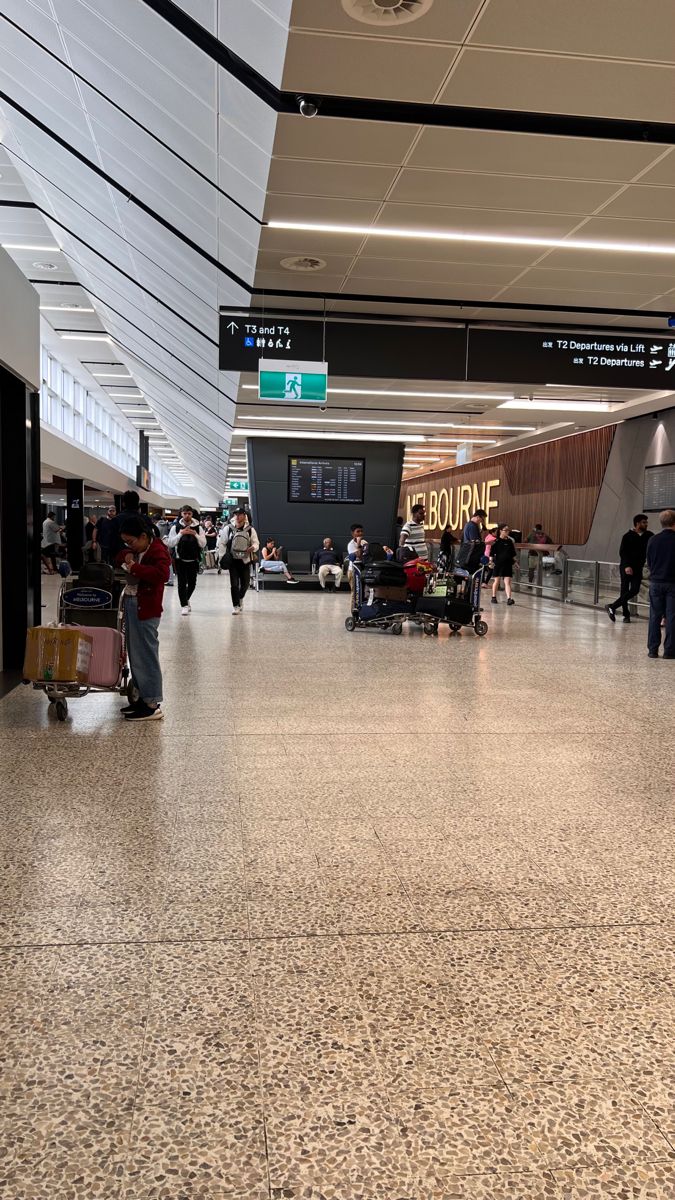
87	597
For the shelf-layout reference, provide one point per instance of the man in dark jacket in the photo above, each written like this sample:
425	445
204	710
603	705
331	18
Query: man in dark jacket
661	563
632	555
327	562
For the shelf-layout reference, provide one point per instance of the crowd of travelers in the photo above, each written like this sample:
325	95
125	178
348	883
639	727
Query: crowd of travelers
152	551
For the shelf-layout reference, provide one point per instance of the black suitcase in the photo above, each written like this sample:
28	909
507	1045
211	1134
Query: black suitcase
384	574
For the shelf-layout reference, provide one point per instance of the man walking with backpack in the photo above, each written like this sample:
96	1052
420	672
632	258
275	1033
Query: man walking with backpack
238	544
187	540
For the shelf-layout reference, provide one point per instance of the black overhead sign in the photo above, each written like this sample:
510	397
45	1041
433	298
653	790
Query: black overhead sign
367	348
644	360
374	349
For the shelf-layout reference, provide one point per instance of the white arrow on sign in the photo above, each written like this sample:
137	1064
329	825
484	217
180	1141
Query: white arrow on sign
232	326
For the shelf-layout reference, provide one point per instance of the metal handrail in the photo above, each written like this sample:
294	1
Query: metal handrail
599	585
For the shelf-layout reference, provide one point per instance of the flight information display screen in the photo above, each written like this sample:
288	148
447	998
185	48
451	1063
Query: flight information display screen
314	480
659	487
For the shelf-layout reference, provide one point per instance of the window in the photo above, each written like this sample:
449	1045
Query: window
69	408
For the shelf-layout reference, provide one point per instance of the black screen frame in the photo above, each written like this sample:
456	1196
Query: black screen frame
655	467
335	459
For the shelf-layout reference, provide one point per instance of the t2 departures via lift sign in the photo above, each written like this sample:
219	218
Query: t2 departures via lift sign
567	356
481	354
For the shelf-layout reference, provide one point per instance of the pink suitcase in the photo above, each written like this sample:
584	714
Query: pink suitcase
106	656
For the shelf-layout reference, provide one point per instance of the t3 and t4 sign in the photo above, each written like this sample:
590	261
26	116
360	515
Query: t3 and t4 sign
290	381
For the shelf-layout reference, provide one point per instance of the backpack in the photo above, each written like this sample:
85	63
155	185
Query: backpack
240	544
188	549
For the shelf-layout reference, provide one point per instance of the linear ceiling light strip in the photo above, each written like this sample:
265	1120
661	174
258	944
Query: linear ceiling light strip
139	124
355	108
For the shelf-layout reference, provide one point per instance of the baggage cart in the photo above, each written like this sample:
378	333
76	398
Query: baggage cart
369	612
459	608
94	603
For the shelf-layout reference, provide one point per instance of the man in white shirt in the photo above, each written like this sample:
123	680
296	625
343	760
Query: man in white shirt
51	538
413	533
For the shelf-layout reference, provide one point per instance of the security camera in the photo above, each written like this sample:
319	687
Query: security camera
322	408
308	108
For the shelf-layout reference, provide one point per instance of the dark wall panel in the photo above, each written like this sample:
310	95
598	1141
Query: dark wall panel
303	526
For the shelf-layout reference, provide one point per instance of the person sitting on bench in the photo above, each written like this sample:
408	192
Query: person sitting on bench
272	563
327	561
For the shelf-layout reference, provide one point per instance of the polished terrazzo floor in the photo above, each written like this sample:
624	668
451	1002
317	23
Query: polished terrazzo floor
364	918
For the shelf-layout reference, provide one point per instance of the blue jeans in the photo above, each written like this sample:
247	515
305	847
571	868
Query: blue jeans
661	604
143	651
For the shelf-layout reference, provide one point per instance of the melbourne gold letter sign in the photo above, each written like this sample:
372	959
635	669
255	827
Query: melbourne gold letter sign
454	506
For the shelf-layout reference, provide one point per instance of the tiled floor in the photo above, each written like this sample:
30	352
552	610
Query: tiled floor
365	918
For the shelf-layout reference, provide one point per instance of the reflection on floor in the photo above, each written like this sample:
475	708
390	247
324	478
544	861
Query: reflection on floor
365	918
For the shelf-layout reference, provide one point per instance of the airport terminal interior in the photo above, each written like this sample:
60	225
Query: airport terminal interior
337	600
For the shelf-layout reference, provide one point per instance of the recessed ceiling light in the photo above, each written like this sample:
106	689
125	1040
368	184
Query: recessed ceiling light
44	266
569	406
485	239
110	374
137	395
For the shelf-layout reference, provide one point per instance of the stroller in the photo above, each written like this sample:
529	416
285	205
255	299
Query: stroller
380	597
461	606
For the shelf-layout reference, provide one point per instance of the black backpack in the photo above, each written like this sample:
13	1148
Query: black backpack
188	548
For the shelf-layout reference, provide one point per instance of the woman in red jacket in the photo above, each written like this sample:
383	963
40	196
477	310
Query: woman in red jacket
147	563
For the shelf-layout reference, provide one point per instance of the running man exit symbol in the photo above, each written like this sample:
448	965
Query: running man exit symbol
293	387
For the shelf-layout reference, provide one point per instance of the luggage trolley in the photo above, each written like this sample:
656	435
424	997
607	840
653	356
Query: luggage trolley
94	601
386	614
460	607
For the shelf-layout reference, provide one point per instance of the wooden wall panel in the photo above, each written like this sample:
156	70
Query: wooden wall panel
556	483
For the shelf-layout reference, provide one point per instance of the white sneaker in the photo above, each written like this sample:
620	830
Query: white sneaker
185	610
236	610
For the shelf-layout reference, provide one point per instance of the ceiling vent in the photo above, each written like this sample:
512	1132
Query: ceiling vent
386	13
305	264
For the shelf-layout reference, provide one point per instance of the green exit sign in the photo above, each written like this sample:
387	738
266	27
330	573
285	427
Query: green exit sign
292	382
237	485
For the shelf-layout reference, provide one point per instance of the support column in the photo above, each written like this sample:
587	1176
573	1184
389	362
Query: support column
20	525
75	522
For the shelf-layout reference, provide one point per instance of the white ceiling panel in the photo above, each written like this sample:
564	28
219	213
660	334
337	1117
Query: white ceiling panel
547	83
434	271
257	32
142	48
333	140
604	29
663	171
649	203
510	192
301	177
443	22
359	66
620	281
530	154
